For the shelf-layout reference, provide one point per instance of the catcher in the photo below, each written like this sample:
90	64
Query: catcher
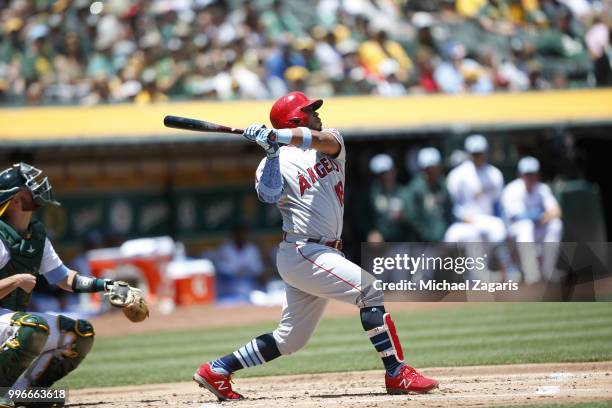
37	349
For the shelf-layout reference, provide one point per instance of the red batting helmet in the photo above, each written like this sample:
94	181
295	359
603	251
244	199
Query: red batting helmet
287	111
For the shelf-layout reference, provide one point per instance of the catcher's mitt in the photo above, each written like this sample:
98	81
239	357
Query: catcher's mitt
130	300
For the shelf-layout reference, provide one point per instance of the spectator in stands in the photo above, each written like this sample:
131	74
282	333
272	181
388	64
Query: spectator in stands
86	52
380	13
296	78
172	69
425	72
495	16
248	72
279	20
533	216
425	39
380	52
512	72
390	85
238	265
387	203
101	62
284	58
536	80
329	56
476	78
448	75
428	204
469	8
69	66
563	38
150	91
600	51
99	91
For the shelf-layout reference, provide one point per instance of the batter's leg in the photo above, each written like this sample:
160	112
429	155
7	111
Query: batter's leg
324	272
300	317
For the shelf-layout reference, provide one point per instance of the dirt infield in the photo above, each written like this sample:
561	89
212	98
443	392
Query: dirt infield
460	387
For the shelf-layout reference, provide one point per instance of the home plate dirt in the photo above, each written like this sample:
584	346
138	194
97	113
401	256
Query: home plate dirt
459	387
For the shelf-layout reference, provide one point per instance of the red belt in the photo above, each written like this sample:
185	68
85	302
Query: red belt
336	244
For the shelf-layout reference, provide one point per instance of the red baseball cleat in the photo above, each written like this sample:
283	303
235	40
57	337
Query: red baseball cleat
218	384
409	380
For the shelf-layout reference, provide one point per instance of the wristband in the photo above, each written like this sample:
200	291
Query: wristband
85	284
284	136
306	138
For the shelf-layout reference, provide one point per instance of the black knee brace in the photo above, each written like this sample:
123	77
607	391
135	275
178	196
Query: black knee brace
371	317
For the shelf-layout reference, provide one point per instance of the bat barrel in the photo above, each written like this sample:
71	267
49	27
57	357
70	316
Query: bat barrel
178	122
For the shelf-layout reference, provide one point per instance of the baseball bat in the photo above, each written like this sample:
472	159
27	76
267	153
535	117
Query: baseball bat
178	122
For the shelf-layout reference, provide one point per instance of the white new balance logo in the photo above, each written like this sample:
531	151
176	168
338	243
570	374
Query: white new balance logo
221	385
405	383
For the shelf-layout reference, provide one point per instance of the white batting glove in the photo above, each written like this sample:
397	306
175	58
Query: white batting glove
260	135
252	131
271	148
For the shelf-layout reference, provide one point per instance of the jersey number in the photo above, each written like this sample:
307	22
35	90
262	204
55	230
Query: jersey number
340	192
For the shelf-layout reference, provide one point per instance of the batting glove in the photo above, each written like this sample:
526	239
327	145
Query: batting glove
252	131
262	139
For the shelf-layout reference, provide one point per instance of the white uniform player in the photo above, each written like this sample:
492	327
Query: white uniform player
475	187
533	216
305	178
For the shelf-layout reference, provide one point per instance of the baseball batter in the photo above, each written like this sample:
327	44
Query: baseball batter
305	178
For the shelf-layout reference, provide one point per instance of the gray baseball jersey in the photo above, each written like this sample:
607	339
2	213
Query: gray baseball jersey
312	206
312	203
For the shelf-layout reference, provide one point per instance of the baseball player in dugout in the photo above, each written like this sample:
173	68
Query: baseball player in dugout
36	349
303	174
533	216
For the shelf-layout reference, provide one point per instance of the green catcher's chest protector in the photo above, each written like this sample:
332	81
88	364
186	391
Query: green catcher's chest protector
26	256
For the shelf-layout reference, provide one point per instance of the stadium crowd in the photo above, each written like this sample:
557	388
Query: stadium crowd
89	52
472	206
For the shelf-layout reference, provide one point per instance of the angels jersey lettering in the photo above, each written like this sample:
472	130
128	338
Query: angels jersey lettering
312	202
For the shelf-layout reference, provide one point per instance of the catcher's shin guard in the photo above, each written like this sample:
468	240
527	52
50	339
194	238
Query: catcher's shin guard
388	327
22	348
71	356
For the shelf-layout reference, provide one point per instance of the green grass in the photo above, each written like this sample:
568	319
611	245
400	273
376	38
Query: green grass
502	333
604	404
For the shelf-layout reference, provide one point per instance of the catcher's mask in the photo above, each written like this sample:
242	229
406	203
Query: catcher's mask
23	175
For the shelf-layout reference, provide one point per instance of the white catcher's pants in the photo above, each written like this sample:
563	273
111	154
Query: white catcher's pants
56	344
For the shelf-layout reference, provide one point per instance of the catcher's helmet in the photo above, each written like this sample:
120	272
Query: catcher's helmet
20	175
287	111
